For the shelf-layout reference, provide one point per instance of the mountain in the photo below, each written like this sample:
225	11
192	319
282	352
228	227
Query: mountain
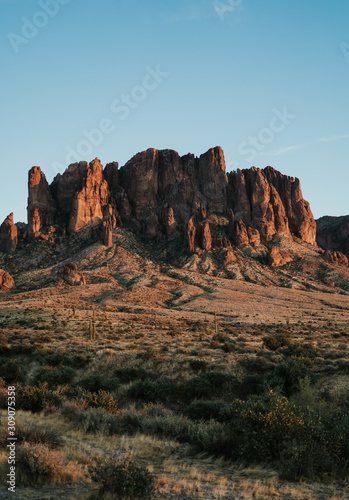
333	233
159	194
251	225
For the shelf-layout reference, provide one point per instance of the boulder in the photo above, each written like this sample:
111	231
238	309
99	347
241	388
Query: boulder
71	275
6	281
278	258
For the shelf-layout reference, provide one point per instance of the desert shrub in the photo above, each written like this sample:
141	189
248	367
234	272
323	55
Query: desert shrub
72	409
5	350
102	399
165	389
10	371
155	410
197	365
299	351
172	426
38	434
91	383
151	391
323	451
97	421
212	437
252	384
123	478
256	364
60	358
261	425
305	460
32	398
37	464
282	338
126	375
206	410
220	337
206	385
287	375
18	349
144	391
55	376
95	383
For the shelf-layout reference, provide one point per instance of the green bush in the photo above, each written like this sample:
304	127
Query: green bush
256	364
282	338
206	410
55	376
38	434
252	384
11	371
60	358
298	351
160	390
126	375
35	399
287	375
261	425
206	385
97	421
197	365
123	478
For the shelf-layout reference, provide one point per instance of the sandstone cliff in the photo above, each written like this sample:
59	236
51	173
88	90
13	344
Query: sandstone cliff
161	195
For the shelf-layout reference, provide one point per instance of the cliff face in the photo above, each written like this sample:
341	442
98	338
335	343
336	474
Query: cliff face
159	195
271	203
333	234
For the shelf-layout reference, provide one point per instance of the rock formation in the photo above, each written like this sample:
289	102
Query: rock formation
71	275
8	235
206	237
336	258
41	205
272	203
89	200
160	195
332	233
109	223
191	233
6	281
278	258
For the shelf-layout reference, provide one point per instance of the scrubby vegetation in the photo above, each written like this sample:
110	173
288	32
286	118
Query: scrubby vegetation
251	394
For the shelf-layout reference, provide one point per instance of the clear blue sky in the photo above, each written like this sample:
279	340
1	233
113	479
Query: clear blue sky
232	67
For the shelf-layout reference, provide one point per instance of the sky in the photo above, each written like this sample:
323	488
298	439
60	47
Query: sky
266	80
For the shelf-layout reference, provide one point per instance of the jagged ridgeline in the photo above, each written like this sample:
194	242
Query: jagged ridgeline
160	195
